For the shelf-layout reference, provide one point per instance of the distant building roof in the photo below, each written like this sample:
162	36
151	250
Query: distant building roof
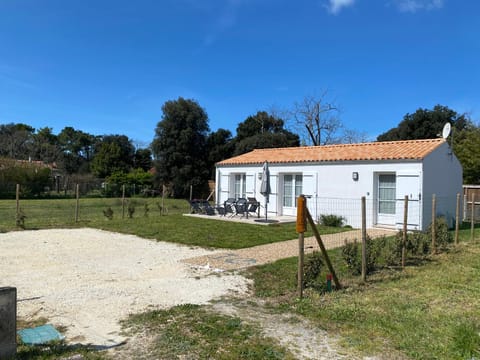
388	150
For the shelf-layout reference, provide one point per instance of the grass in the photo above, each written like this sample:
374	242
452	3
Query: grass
193	332
173	227
428	311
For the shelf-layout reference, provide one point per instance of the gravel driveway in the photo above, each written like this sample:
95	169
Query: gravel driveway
87	280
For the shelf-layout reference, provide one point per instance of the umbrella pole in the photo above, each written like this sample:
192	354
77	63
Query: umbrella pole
266	202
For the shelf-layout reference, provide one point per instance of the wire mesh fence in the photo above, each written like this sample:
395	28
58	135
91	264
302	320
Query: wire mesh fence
85	207
388	217
93	201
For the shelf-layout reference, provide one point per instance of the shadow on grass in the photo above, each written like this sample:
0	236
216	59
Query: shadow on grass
59	349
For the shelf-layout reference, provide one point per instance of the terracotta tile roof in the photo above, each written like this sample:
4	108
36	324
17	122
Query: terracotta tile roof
388	150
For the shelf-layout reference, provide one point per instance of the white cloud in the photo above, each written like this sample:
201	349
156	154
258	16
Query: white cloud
335	6
413	6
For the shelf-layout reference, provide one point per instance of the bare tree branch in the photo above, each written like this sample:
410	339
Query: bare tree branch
317	120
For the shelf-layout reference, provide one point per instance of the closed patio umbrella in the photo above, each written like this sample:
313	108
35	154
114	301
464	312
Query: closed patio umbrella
265	186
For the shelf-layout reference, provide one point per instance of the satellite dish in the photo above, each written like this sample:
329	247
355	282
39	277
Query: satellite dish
447	128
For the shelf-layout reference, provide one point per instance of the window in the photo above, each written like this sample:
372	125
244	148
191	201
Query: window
240	186
386	194
292	188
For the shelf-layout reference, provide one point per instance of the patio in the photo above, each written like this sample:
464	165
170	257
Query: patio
252	219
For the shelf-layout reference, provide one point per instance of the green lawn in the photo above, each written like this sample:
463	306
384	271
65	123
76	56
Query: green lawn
172	227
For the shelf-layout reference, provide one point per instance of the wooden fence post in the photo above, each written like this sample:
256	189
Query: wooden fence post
472	219
364	240
17	199
434	223
301	227
163	200
457	219
405	228
77	202
123	201
322	248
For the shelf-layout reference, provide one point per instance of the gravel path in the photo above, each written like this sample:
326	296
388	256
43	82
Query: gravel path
262	254
87	280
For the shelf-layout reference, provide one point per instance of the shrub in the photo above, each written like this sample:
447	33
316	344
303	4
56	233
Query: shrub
20	220
352	254
312	268
146	210
108	213
443	236
131	210
332	220
418	242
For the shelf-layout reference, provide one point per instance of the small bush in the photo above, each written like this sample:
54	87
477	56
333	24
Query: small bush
352	254
311	270
332	220
443	236
108	213
20	220
146	210
131	210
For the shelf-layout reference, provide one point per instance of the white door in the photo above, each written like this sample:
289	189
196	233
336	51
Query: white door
386	195
408	184
292	188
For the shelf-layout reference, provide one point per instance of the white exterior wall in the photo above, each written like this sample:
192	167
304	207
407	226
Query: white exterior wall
444	178
330	189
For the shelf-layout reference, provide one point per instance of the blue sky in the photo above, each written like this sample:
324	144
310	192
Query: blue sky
107	67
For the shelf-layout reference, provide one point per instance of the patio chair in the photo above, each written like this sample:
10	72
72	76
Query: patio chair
253	206
241	207
207	209
220	210
229	206
195	207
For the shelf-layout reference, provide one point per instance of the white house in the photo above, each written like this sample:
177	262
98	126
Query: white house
334	178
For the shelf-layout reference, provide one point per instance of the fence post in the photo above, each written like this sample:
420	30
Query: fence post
323	250
163	200
404	238
434	223
457	219
301	227
123	201
472	219
364	240
17	199
8	319
77	202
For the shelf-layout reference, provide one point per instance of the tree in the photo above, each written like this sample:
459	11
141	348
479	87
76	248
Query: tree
426	124
261	131
219	147
45	146
466	145
16	140
114	153
317	120
180	147
77	148
143	159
